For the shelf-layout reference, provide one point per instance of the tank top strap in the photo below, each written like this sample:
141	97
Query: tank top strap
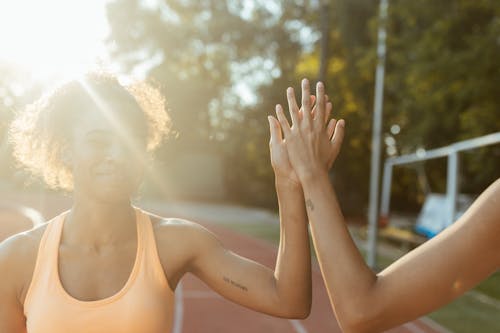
151	256
46	259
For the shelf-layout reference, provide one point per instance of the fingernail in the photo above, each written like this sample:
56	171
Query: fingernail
341	123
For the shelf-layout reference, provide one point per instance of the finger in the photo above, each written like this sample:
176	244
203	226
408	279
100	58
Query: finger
285	126
275	129
306	100
338	135
313	111
313	100
328	111
330	129
320	104
293	108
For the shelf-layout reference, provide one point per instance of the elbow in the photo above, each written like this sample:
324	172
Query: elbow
358	319
300	310
301	313
356	329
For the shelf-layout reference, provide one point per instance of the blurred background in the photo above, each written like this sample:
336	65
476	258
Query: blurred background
223	65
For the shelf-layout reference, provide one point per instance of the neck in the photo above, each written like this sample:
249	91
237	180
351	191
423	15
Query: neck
95	224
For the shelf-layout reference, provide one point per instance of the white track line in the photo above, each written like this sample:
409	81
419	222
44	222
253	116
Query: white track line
485	299
413	328
299	328
179	309
32	214
435	326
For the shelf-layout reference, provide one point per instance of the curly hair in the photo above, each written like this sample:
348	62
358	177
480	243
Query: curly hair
40	132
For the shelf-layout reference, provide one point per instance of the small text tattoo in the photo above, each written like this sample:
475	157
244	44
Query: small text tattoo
309	204
234	283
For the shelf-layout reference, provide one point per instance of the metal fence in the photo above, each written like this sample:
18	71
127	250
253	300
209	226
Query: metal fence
452	153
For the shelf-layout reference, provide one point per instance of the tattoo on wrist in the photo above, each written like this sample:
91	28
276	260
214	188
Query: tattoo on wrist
309	204
234	283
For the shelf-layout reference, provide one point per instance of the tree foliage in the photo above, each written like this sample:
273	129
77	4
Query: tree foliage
223	65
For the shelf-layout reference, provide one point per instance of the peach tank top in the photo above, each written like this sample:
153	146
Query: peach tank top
144	304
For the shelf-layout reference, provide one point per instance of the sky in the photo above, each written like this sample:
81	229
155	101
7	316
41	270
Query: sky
48	38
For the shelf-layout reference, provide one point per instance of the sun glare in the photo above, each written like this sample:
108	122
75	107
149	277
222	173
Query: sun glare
49	38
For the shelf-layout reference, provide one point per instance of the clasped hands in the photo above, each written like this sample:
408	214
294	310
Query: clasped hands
309	146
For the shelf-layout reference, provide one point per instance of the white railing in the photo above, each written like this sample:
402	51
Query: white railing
451	152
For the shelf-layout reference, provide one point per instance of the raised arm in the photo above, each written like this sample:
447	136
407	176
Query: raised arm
423	280
284	291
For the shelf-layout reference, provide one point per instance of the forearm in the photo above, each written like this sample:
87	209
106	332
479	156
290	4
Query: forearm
348	279
293	265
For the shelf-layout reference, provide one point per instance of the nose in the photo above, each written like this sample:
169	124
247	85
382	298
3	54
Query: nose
117	152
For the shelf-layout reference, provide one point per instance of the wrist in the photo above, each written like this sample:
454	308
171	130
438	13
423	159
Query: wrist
313	179
286	183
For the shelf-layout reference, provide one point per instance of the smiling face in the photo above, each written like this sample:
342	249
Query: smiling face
107	154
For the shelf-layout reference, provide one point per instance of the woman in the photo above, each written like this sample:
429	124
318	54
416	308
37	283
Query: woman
105	265
428	277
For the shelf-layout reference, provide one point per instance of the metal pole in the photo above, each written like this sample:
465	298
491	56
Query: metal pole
452	186
386	191
376	136
324	41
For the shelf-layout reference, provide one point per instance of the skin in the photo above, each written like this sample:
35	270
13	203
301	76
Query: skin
99	240
423	280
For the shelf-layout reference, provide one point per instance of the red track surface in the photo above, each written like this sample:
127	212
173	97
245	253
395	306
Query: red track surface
200	310
205	311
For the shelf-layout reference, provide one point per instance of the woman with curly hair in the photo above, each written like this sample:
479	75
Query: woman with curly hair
106	265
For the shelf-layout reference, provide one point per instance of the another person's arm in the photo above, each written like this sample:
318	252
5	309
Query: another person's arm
430	276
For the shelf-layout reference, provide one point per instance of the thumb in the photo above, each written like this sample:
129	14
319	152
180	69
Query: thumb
274	129
330	128
338	135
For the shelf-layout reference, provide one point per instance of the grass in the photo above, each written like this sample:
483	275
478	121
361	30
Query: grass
466	314
491	286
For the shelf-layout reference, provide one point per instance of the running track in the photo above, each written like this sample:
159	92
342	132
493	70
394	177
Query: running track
199	310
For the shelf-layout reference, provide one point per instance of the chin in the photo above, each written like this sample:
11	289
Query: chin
113	194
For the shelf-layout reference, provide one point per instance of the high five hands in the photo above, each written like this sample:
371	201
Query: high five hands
309	146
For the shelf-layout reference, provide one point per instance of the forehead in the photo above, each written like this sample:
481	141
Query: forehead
114	118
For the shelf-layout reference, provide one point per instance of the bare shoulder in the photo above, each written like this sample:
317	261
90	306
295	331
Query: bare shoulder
180	243
18	255
181	233
21	246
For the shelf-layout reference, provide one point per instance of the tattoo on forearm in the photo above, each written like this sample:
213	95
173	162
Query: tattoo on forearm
234	283
309	204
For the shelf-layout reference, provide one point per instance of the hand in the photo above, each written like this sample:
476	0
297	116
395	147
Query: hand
283	170
279	154
312	148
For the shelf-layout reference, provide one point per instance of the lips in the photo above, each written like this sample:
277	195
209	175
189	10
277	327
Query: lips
109	172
